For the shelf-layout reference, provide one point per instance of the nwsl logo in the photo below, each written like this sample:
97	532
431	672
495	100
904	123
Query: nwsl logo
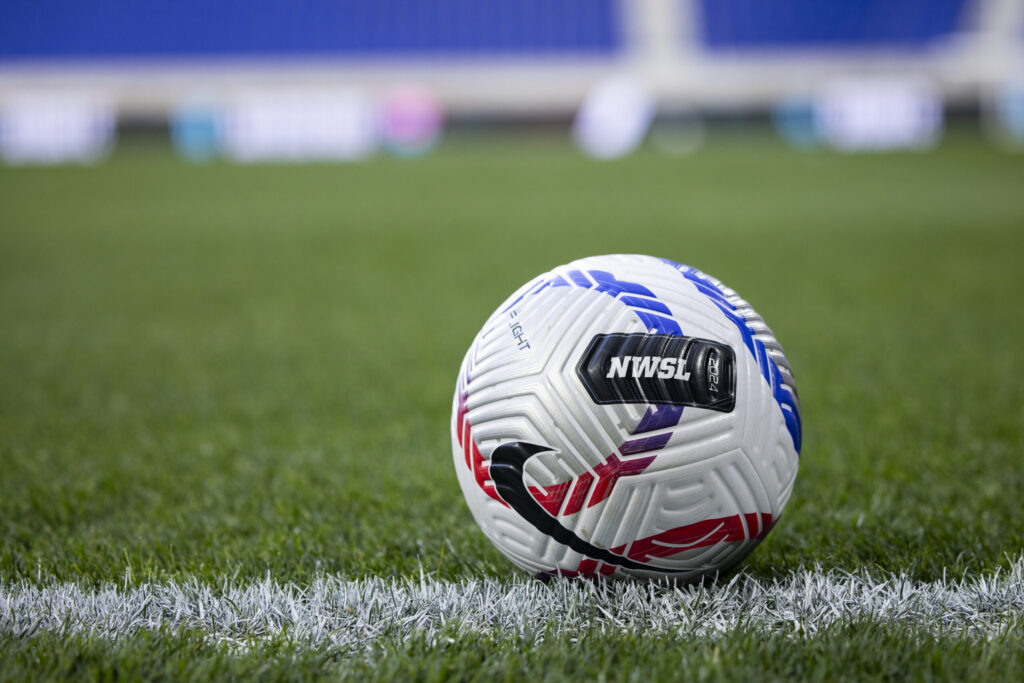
659	369
648	367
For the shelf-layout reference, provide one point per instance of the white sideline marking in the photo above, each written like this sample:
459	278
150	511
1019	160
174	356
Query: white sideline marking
360	614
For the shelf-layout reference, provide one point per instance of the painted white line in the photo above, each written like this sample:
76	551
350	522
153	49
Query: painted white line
359	614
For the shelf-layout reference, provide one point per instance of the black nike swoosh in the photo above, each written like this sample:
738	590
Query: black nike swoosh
507	462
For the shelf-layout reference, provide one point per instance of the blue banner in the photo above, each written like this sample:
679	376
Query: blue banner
830	24
104	29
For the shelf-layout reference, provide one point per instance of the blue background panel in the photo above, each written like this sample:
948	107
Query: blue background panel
786	24
62	29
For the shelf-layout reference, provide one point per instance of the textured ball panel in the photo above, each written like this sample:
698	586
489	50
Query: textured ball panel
625	415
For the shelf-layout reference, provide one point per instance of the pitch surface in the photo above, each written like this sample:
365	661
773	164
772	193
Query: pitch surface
219	374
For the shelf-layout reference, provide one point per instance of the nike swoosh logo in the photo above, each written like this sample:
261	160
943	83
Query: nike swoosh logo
506	470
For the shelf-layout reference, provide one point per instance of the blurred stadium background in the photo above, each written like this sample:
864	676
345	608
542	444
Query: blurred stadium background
271	79
235	377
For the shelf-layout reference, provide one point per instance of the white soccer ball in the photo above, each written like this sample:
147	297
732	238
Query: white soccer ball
625	415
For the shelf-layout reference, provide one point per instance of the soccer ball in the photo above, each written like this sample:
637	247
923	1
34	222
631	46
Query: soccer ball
628	416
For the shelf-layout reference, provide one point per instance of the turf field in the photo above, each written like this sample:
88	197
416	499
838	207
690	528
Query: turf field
225	396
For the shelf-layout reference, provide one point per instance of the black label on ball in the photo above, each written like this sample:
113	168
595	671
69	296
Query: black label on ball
659	369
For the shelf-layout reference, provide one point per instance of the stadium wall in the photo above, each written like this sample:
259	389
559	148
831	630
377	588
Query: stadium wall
497	57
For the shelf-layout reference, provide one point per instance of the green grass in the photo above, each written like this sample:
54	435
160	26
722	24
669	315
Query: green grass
851	652
229	371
